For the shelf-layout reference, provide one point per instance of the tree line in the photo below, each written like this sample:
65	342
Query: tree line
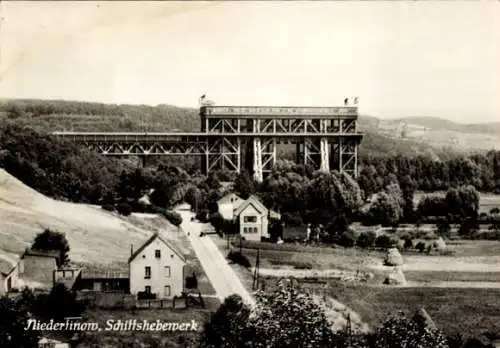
429	174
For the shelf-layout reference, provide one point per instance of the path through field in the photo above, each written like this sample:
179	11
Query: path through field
223	278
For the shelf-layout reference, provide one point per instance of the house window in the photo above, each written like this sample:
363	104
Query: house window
147	272
147	289
167	271
47	345
245	229
250	219
157	254
166	291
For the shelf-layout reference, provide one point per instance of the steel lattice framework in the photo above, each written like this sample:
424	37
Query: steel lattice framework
233	138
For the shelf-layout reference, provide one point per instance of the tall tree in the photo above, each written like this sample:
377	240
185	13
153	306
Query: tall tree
226	325
50	240
244	185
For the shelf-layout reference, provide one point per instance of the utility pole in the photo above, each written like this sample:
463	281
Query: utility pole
349	331
255	284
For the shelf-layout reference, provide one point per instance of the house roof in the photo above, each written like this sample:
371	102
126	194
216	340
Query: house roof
150	240
253	200
6	267
105	274
274	215
42	253
226	198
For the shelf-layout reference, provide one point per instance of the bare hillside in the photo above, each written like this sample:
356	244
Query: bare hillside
437	132
95	236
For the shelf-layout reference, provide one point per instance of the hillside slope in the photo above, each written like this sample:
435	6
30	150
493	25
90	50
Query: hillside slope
437	132
95	236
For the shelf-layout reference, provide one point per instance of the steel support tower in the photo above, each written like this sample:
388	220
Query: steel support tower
326	138
236	138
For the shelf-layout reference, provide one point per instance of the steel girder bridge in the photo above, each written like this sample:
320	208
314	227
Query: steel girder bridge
234	138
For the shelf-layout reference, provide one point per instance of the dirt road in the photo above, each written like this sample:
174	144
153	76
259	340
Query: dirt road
215	265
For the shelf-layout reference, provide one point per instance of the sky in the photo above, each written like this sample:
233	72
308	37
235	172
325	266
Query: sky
401	59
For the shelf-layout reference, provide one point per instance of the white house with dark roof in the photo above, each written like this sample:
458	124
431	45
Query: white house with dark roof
252	217
157	267
228	204
250	214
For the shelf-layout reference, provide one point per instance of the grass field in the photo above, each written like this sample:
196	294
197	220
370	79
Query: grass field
306	256
470	312
116	339
438	276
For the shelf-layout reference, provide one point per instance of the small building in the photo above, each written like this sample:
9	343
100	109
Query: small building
228	204
53	341
36	268
68	276
157	267
9	275
252	217
103	280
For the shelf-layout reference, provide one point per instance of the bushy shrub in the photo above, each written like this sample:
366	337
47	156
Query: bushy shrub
383	242
408	244
486	235
124	209
239	258
346	239
425	234
217	221
202	215
399	331
420	247
143	295
366	239
173	217
303	265
108	207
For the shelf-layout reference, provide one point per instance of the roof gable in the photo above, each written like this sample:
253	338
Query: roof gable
255	202
227	198
164	241
6	267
